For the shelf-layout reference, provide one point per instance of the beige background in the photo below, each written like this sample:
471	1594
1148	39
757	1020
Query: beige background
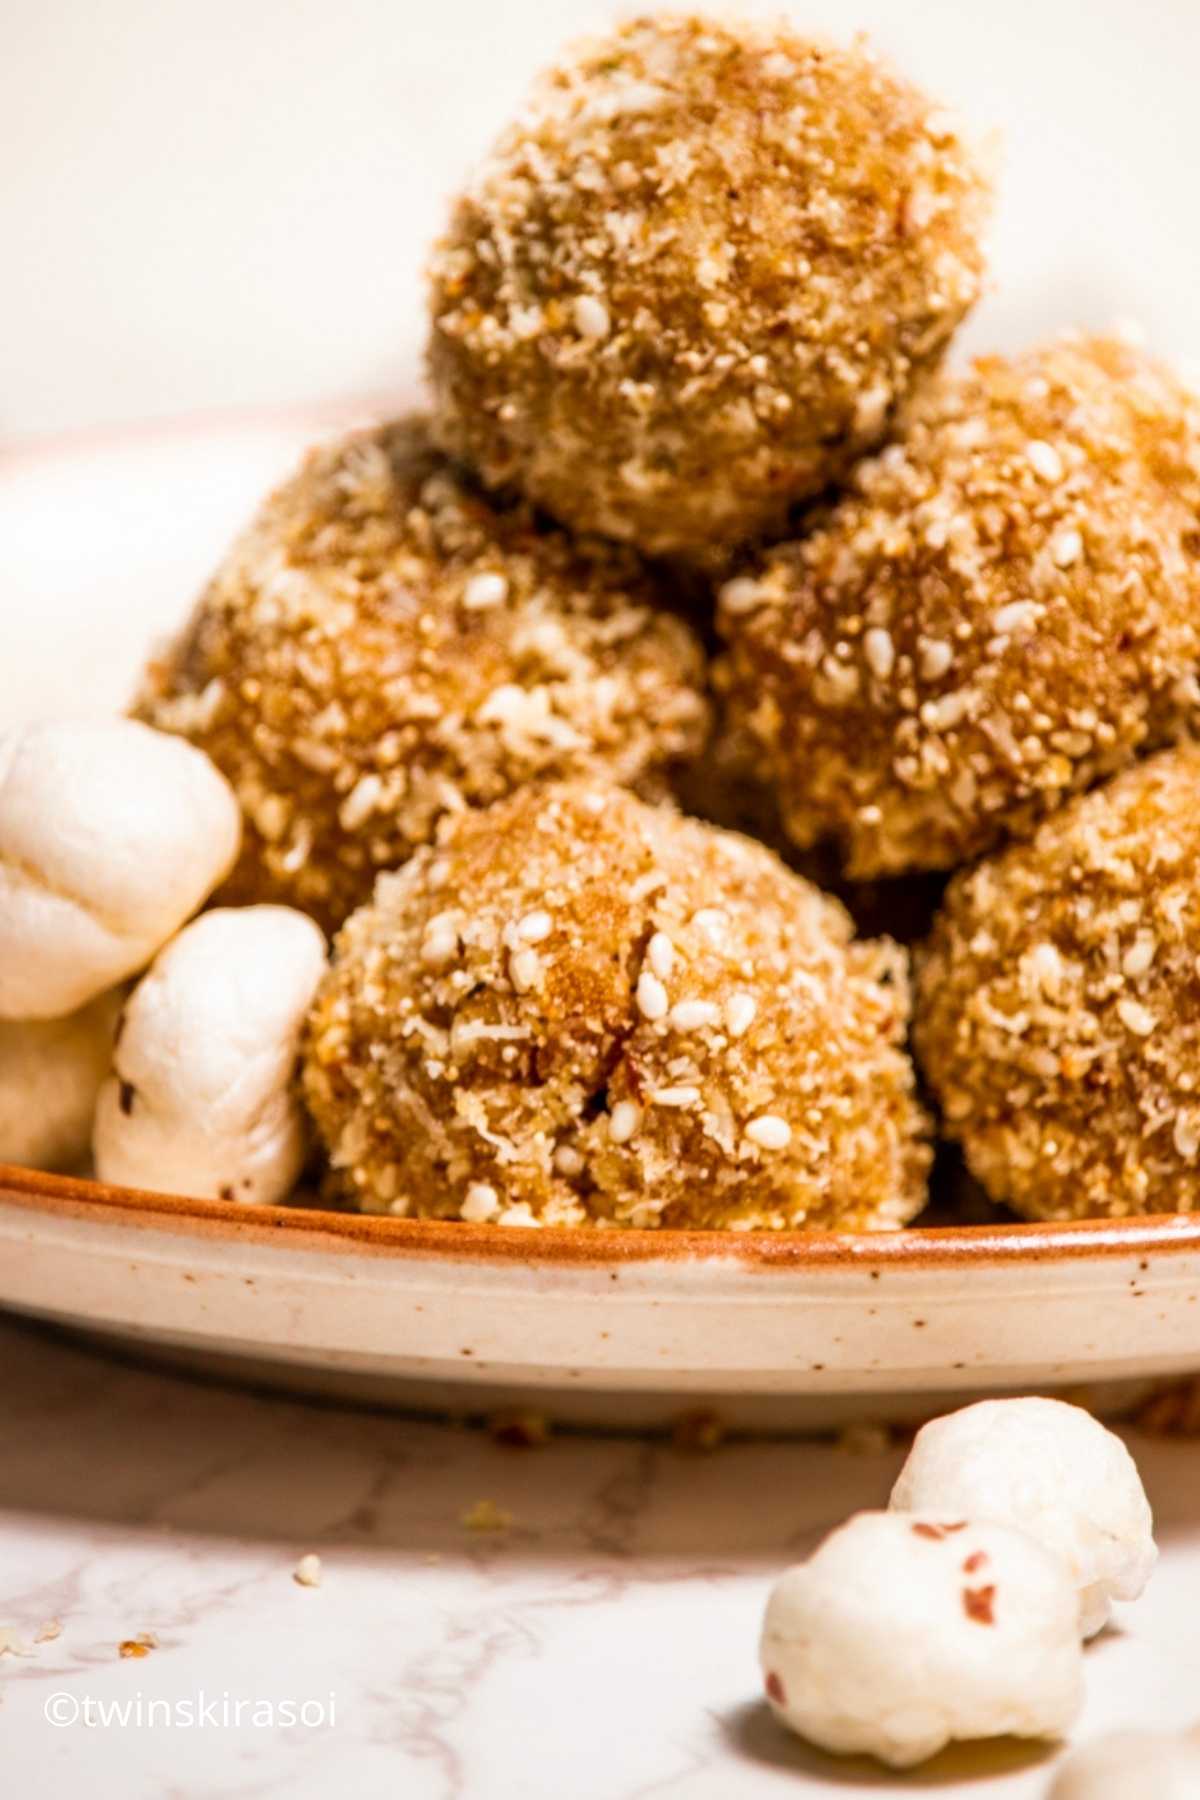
225	203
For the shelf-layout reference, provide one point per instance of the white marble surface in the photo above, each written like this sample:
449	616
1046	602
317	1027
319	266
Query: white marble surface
601	1647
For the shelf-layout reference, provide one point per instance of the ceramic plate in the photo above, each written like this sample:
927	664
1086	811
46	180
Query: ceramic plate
105	541
616	1327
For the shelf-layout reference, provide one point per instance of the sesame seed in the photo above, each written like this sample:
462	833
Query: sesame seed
1186	1137
535	927
870	409
936	658
880	652
360	802
675	1096
568	1161
1044	459
1066	549
840	680
769	1132
1139	956
660	954
387	1182
1045	967
521	1214
307	1572
1135	1017
713	923
482	591
652	882
525	970
591	317
504	705
481	1204
693	1015
1016	616
740	1009
741	595
651	996
921	206
947	711
271	815
624	1121
439	945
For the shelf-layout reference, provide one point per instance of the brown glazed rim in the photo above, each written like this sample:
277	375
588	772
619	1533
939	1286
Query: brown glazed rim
305	1228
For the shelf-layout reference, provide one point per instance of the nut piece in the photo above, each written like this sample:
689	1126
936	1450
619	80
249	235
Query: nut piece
696	277
111	836
961	643
1054	1472
385	645
308	1571
901	1633
1058	1013
203	1100
50	1075
602	1092
1131	1765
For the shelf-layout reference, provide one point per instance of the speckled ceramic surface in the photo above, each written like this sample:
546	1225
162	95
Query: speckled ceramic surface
613	1327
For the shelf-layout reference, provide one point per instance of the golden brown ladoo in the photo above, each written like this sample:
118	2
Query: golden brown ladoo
1058	1012
1004	607
691	284
581	1010
384	647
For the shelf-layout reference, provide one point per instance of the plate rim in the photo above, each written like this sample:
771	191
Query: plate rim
20	450
917	1248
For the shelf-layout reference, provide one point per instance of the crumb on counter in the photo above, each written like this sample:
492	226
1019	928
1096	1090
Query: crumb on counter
699	1432
866	1438
519	1430
485	1515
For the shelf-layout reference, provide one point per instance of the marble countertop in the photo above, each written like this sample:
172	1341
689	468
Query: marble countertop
600	1645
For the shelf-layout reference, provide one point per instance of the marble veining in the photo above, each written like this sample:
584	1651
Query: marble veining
599	1647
